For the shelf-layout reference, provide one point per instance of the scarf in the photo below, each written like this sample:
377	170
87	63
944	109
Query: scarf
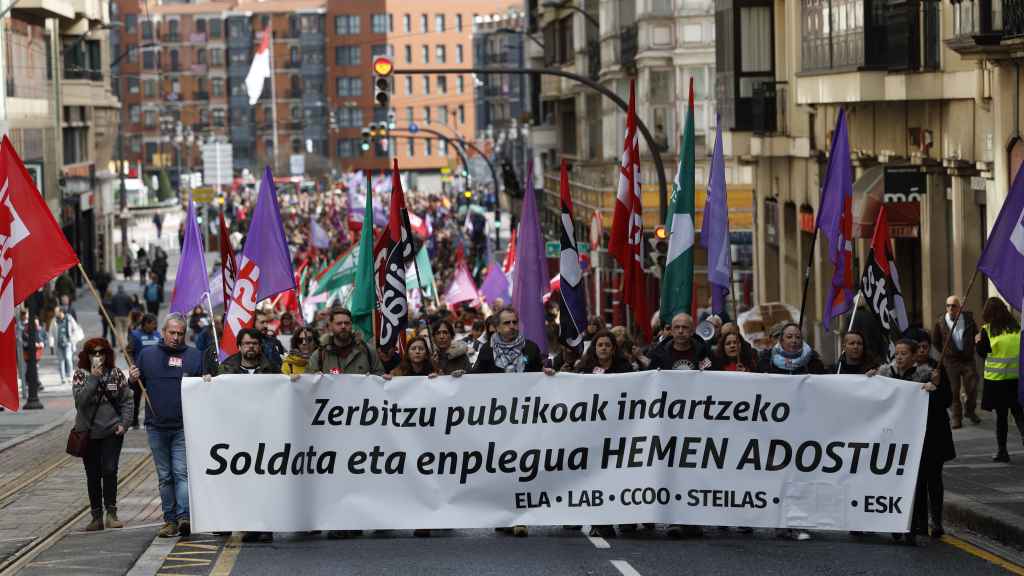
957	331
790	361
509	355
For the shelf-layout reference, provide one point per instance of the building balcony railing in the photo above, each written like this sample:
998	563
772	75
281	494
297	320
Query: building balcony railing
294	93
171	37
628	45
79	74
197	38
767	102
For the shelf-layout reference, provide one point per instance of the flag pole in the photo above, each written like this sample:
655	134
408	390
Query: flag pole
103	310
273	94
213	322
807	277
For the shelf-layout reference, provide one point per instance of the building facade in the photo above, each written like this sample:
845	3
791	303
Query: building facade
932	132
59	111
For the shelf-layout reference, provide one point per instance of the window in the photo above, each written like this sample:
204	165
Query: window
349	117
460	84
295	112
380	50
147	30
131	21
149	118
149	60
661	86
216	56
201	56
458	54
442	114
346	55
391	22
428	147
442	84
149	88
443	145
412	147
379	23
296	146
408	54
423	22
216	28
406	23
458	22
426	84
439	52
218	117
133	85
425	50
408	85
409	119
294	56
349	86
217	86
347	148
426	114
135	113
314	24
439	23
346	25
462	114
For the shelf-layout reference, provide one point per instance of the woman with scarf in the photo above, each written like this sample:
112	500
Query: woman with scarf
304	343
103	400
449	355
938	439
856	358
791	355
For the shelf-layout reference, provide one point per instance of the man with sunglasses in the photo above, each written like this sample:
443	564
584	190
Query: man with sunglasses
160	370
958	359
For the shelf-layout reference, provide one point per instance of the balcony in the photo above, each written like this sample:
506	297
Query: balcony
628	46
765	105
171	37
198	69
197	38
987	29
83	74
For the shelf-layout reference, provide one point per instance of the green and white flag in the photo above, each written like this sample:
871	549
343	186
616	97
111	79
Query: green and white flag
364	298
340	273
677	282
426	278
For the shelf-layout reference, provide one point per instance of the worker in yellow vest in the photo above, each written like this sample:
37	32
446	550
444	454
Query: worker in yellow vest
998	343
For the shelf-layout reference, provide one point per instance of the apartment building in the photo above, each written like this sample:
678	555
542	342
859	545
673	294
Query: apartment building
662	45
930	103
58	110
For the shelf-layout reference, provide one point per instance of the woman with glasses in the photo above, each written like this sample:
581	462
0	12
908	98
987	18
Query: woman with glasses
103	400
449	355
304	343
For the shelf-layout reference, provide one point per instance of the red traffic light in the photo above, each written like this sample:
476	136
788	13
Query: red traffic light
383	66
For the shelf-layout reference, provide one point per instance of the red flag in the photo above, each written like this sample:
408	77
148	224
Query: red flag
33	251
626	243
229	266
510	256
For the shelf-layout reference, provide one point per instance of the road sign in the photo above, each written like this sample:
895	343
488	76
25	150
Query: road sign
553	248
297	164
203	195
217	166
414	127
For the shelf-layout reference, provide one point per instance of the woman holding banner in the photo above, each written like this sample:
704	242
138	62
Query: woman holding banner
416	361
998	343
856	358
304	344
938	439
730	354
449	355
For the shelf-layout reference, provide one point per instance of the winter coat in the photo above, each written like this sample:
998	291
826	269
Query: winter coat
941	332
101	409
360	358
485	360
813	366
233	365
938	436
294	364
456	358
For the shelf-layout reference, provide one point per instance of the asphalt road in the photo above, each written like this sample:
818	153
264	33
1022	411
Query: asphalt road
556	551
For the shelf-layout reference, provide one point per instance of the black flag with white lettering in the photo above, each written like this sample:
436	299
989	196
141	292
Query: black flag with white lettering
392	304
880	283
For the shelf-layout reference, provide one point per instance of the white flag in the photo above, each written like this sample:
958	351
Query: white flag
259	71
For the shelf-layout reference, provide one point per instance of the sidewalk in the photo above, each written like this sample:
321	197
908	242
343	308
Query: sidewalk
981	495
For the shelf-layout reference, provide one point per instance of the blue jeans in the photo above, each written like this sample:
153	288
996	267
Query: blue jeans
168	448
66	360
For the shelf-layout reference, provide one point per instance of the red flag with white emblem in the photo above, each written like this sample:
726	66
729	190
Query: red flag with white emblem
33	251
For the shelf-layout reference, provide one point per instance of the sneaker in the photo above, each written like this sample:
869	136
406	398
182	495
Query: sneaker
96	524
520	531
169	530
602	531
266	537
112	521
184	527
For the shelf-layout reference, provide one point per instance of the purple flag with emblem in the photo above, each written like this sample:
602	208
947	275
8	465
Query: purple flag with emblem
531	275
835	219
191	282
1003	257
714	230
265	269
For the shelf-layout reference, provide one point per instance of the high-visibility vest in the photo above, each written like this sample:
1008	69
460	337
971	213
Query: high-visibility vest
1003	362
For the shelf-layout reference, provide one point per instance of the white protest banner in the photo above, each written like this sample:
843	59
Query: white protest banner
712	448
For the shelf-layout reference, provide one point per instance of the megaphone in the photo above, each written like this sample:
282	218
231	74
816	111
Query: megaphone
706	331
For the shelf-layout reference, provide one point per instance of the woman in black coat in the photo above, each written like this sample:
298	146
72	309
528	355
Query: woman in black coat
791	355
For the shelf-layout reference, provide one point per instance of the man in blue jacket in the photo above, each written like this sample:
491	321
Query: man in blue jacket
161	369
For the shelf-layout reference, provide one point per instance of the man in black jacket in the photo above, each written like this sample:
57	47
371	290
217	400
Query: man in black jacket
684	351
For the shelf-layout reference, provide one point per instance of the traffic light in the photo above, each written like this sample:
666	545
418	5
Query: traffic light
659	245
391	120
366	140
382	68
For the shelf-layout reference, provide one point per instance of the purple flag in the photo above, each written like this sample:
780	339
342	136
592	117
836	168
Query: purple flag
265	269
714	230
191	282
531	276
835	219
1003	257
495	285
